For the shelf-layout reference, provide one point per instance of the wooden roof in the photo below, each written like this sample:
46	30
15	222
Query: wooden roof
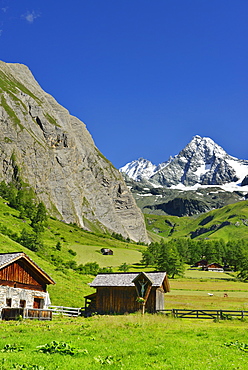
127	279
8	258
215	264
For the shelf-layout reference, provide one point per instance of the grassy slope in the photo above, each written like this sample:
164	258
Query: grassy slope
70	286
236	214
87	245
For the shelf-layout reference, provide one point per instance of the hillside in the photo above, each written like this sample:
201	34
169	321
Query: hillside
77	247
229	222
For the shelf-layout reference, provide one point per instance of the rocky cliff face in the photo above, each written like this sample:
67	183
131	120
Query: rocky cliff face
56	155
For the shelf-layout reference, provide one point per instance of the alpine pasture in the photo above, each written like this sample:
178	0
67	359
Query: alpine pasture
132	341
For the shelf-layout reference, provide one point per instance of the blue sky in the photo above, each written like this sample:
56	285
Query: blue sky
144	76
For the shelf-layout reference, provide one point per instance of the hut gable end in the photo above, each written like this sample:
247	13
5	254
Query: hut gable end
18	270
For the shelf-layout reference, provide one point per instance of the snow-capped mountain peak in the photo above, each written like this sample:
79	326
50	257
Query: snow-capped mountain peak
201	162
140	168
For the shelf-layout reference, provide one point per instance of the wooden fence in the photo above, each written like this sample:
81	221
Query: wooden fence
205	314
66	311
26	313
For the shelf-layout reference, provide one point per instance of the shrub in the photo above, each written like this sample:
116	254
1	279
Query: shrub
72	252
12	348
59	347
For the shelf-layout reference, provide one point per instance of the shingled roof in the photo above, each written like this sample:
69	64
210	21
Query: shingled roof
126	279
8	258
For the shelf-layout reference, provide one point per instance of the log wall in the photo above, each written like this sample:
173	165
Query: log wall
122	300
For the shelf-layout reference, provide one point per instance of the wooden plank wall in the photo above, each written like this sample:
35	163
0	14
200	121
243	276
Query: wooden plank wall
21	275
121	300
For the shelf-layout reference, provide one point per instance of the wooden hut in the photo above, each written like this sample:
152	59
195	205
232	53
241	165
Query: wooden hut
23	284
127	292
214	266
107	251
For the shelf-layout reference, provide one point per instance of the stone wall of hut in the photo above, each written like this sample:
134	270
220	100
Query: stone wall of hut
18	294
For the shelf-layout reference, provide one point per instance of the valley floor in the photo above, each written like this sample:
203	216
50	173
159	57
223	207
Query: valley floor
207	293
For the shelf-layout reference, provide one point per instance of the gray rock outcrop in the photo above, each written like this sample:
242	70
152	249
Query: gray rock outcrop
55	154
245	181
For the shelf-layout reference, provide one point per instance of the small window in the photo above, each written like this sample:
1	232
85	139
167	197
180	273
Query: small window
8	302
38	302
22	303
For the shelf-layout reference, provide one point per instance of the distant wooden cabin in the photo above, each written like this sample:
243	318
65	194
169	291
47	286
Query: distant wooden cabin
23	284
107	252
214	267
125	292
201	263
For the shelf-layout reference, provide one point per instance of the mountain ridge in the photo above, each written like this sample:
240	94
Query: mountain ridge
200	178
202	162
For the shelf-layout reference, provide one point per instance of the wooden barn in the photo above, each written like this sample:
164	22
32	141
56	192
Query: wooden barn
23	284
107	252
127	292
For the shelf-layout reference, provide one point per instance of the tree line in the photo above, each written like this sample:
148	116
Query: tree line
173	255
22	198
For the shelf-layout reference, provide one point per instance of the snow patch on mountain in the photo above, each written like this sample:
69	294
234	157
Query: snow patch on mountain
233	186
142	169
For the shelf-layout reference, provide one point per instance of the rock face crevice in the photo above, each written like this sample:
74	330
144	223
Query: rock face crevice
58	158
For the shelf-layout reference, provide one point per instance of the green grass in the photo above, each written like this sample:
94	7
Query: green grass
127	342
51	119
192	293
9	84
208	285
93	254
87	245
71	287
200	274
11	113
200	300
